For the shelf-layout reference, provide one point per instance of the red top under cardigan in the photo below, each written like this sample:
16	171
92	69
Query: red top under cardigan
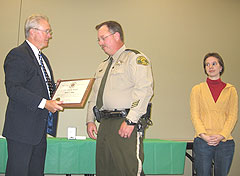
216	87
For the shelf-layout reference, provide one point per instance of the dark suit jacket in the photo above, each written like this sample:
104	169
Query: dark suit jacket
25	87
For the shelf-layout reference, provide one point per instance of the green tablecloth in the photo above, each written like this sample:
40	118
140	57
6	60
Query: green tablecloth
78	156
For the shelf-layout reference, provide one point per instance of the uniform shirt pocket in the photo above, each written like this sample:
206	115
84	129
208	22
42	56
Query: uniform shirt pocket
119	76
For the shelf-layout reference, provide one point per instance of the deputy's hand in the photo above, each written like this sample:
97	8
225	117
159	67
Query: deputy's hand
54	105
126	130
92	130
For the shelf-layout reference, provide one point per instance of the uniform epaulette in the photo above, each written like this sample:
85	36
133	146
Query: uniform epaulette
135	51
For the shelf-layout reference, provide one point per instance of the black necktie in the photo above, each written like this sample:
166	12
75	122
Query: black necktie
50	88
99	102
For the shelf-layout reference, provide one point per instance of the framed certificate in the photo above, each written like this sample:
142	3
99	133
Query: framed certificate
74	92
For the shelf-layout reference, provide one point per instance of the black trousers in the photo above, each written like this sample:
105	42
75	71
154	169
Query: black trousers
26	159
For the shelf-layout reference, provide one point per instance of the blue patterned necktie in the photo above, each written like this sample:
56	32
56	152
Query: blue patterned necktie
48	80
50	88
99	102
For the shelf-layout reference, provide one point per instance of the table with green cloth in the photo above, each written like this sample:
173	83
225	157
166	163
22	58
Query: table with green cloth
78	156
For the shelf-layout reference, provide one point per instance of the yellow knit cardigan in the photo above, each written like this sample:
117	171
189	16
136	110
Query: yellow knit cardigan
214	118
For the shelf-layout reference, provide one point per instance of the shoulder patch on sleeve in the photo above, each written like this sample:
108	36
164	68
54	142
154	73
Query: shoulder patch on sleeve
142	60
135	51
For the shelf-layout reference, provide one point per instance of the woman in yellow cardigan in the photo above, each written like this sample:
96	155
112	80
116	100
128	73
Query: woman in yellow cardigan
214	112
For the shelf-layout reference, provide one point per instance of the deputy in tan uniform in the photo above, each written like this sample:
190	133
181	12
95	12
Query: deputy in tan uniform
127	92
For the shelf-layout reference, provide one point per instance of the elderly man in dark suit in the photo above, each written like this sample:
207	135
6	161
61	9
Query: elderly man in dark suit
31	113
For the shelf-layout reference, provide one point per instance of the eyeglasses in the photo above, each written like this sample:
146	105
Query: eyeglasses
104	38
48	31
